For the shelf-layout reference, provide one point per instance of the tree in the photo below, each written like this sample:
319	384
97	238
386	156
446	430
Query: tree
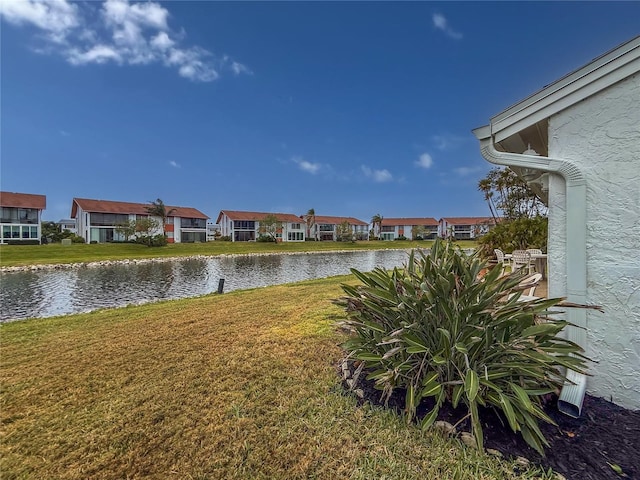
377	220
523	223
159	209
344	233
51	231
269	227
146	229
311	221
127	229
504	191
419	232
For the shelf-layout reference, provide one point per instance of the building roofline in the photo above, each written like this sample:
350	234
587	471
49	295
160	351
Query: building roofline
602	72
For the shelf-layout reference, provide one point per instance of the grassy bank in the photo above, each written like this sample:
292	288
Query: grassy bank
16	255
241	385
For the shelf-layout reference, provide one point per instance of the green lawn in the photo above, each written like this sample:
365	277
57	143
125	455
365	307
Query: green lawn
16	255
236	386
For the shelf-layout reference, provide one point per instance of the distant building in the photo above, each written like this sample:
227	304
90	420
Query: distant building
97	220
67	224
245	226
465	228
21	217
410	228
327	228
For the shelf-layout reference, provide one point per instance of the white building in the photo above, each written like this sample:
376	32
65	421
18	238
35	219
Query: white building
323	227
245	226
409	228
67	224
465	228
21	217
578	142
97	221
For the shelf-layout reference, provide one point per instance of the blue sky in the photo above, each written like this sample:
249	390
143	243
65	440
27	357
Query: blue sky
349	108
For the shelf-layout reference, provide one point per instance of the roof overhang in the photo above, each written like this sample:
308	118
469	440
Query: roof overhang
529	117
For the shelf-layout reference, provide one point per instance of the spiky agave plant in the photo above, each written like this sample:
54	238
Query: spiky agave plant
437	329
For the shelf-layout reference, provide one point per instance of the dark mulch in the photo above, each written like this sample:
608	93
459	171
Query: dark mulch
605	437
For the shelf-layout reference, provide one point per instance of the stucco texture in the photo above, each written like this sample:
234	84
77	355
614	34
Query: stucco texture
601	135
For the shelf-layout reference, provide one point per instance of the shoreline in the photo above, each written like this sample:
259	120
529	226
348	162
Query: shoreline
137	261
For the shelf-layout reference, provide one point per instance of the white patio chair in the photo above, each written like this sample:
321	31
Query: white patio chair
536	263
521	259
527	287
501	260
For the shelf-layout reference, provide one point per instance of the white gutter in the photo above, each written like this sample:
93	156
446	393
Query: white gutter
573	391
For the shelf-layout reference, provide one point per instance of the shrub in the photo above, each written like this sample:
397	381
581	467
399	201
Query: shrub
400	237
76	238
159	240
266	239
439	331
518	234
24	242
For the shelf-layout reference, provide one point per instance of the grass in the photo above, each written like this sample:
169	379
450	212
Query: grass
236	386
21	255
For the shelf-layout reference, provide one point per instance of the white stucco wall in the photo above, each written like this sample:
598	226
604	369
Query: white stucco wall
602	135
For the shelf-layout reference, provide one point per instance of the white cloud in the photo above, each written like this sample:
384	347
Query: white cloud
379	176
307	166
448	141
125	34
174	164
162	41
55	16
466	171
64	133
424	161
97	54
441	23
239	68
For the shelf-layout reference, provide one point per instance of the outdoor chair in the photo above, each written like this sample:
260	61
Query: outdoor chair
527	287
521	259
500	257
537	264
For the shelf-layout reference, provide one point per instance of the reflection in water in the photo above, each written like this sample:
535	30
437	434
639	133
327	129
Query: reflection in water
57	292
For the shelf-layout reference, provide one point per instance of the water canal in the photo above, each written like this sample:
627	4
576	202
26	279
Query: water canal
46	293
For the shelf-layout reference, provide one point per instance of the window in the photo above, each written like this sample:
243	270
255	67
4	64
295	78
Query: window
295	226
108	219
191	237
193	223
244	225
388	228
19	215
6	231
295	236
34	232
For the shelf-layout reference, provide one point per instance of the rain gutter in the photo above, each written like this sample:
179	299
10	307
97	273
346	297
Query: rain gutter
574	389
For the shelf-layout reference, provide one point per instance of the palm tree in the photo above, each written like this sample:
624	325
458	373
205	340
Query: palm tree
377	220
159	209
311	220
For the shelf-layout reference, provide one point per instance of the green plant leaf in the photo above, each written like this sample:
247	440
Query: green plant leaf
471	385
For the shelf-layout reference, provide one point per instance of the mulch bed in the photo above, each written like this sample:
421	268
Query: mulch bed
605	437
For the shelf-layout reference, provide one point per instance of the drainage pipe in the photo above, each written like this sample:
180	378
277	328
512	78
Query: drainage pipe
573	391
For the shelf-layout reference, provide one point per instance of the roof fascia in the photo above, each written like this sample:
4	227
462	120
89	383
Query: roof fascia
604	71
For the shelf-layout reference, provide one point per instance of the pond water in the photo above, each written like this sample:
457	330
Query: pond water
46	293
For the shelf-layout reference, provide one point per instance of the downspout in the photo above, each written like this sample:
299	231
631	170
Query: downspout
573	391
